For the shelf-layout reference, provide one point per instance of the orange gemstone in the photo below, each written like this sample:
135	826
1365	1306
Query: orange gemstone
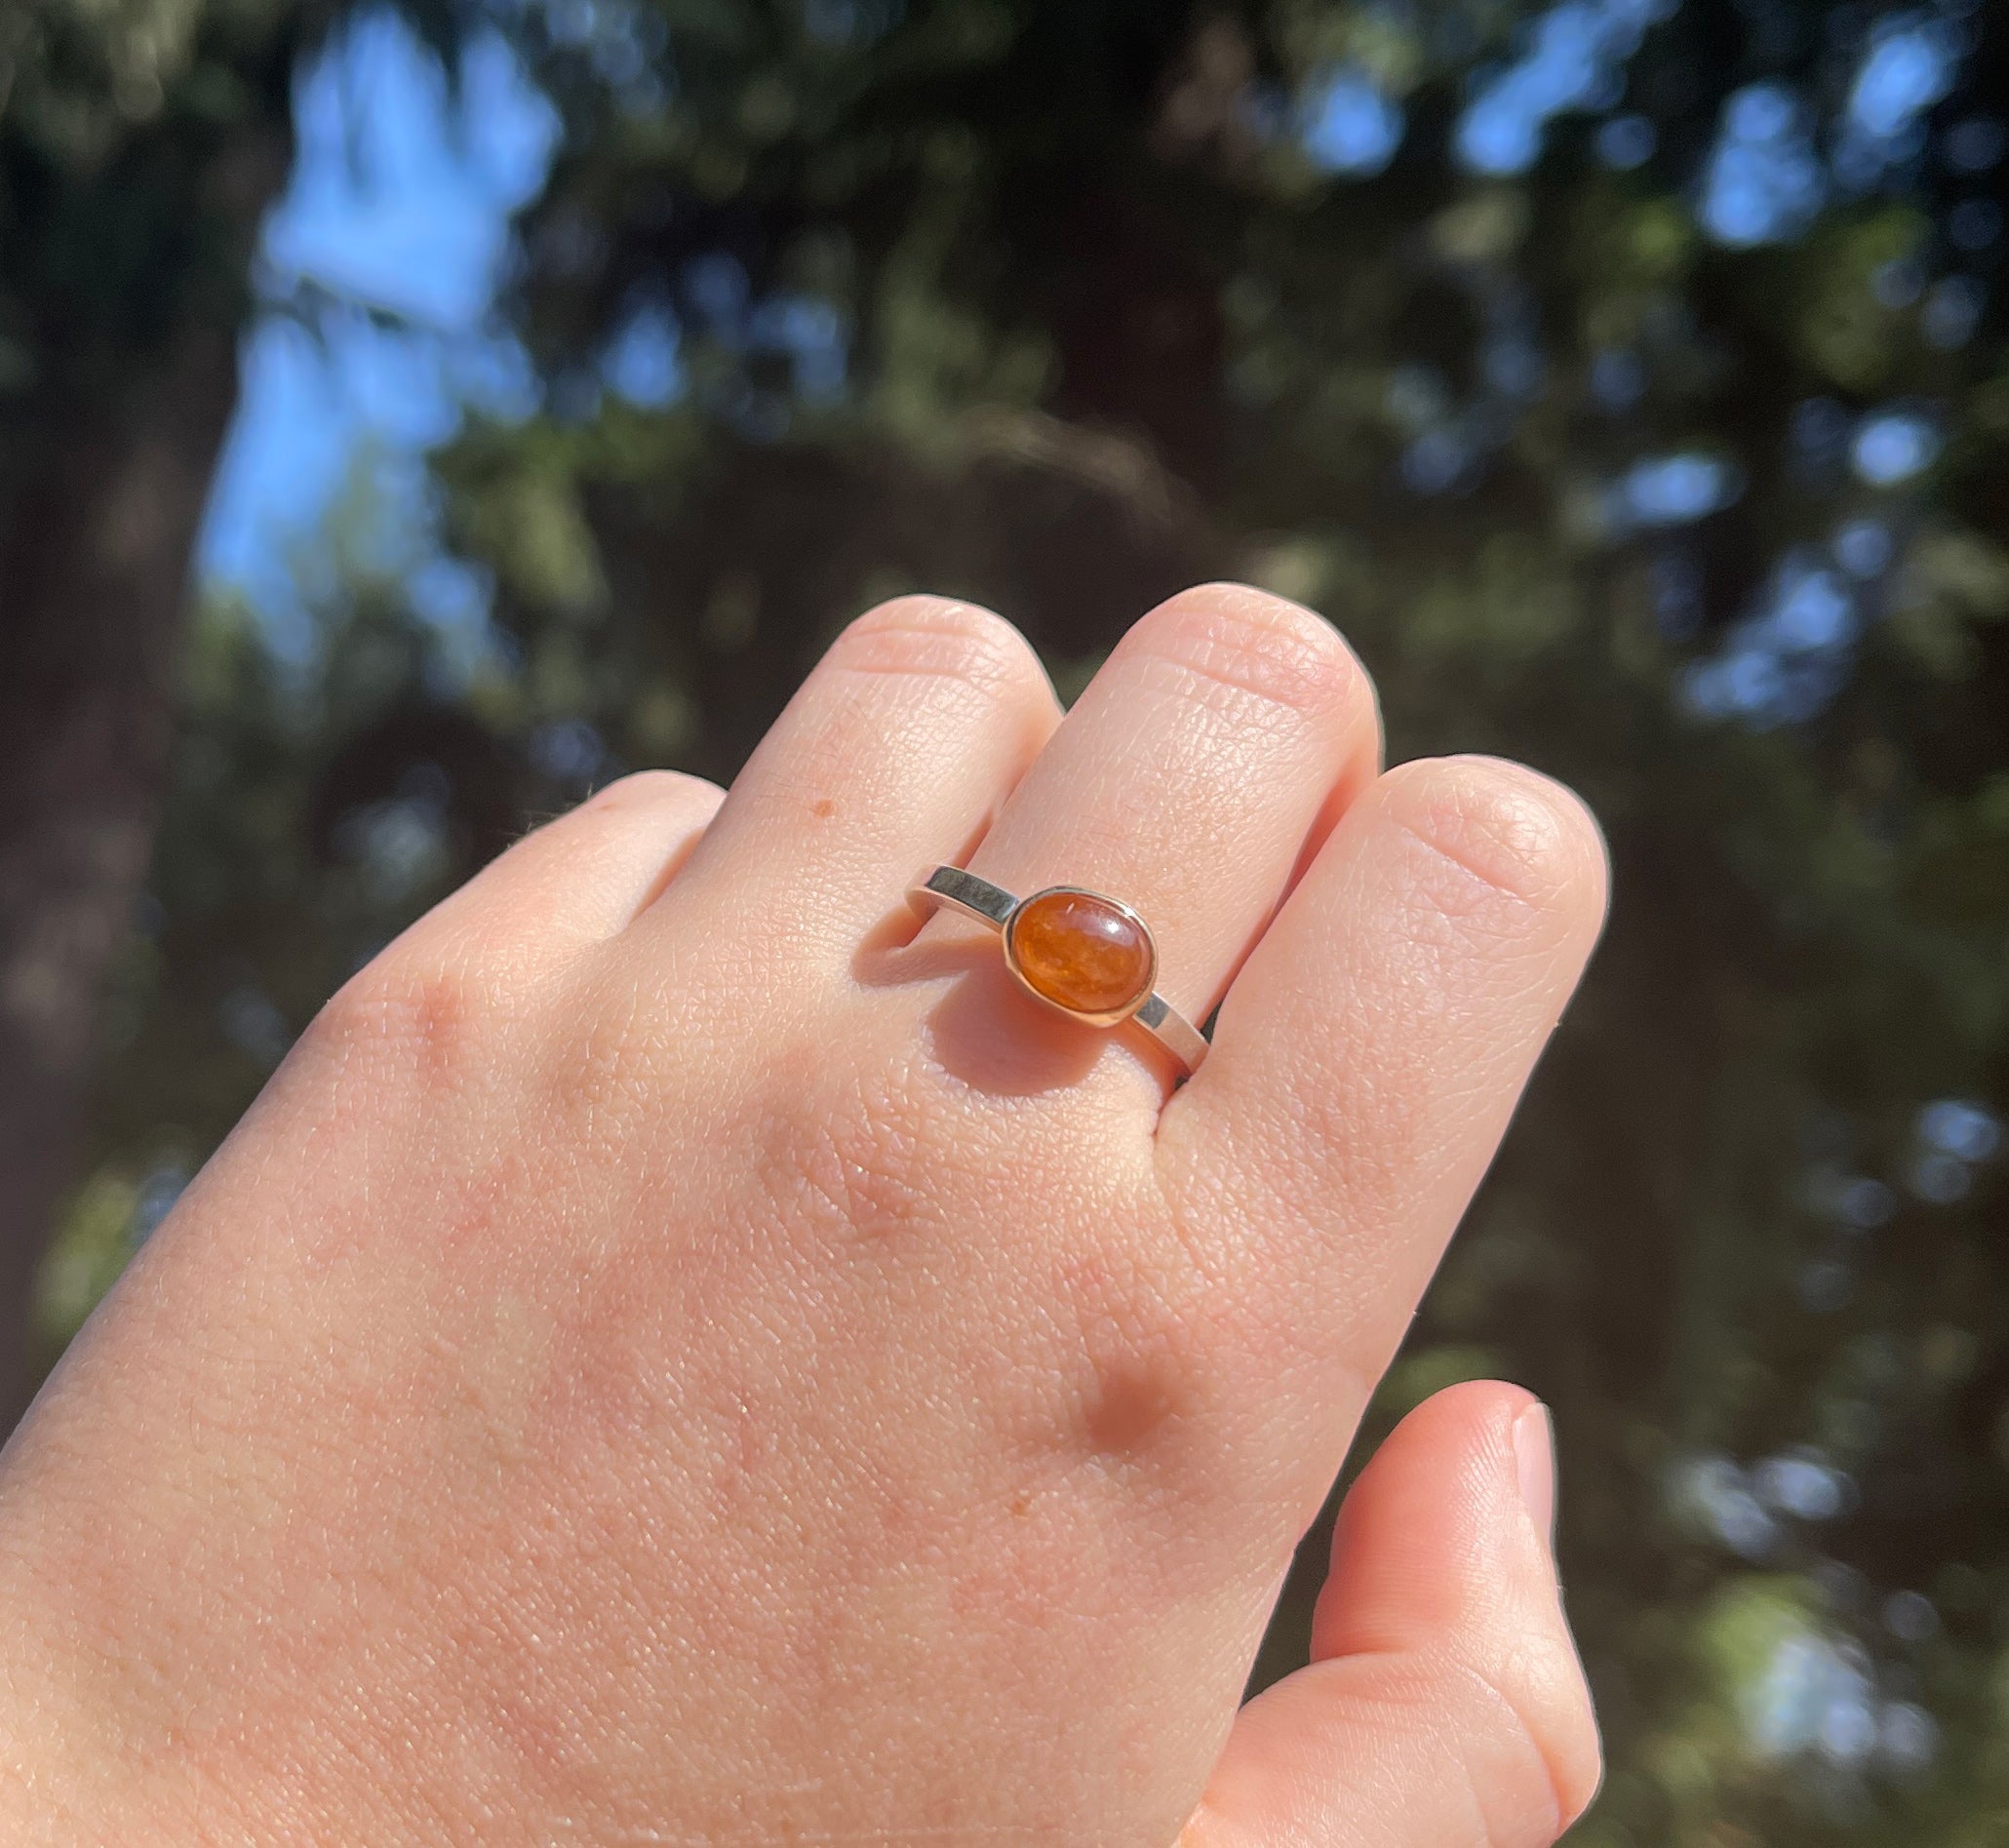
1082	953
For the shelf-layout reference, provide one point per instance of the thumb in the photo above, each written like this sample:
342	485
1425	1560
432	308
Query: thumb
1445	1706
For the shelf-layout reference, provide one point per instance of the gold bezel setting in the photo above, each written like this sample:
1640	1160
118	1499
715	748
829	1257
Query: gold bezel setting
992	906
1116	905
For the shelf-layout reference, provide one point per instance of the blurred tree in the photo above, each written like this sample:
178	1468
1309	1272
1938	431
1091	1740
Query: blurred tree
139	146
1626	378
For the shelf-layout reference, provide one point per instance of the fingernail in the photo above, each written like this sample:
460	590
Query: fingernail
1534	1457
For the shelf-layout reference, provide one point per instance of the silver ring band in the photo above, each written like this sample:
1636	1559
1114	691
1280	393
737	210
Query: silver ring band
951	888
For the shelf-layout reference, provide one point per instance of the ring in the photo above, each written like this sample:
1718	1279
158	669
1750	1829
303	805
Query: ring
1083	954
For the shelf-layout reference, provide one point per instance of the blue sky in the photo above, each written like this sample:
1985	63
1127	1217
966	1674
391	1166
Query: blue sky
399	201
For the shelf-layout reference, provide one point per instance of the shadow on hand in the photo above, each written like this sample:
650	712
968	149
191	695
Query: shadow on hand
985	1031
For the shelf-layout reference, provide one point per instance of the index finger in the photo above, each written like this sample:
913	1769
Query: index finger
1365	1063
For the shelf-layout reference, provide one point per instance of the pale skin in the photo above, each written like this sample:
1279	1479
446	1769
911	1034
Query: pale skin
683	1351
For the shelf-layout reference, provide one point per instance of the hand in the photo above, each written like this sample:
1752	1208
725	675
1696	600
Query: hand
682	1354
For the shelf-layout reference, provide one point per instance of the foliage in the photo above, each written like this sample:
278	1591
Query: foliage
135	141
1624	379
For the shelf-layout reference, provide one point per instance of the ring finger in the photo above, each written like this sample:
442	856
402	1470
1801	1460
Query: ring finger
1226	732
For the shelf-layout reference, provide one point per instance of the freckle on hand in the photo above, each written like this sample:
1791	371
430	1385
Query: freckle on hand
823	808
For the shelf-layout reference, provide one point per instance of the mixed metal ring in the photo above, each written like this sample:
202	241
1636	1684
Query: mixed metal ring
1085	954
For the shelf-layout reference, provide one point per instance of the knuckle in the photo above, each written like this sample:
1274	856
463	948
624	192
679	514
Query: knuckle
935	636
1500	830
407	1017
1528	1740
847	1156
1232	640
652	789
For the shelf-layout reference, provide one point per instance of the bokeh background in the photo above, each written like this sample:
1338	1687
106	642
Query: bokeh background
413	416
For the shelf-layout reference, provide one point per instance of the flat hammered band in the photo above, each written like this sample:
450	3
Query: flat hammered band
1101	927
